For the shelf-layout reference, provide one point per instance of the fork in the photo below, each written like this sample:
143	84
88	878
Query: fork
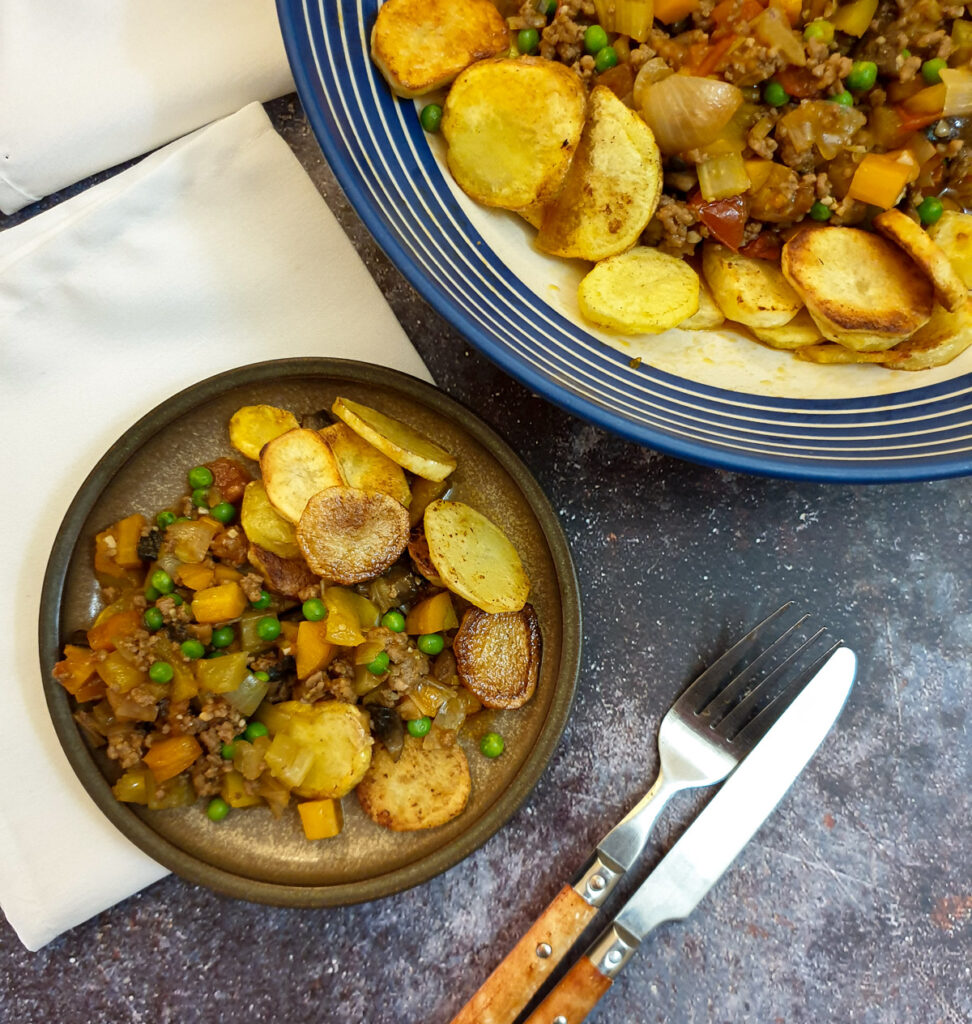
704	735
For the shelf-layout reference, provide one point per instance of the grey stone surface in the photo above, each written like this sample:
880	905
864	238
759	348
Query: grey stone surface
853	903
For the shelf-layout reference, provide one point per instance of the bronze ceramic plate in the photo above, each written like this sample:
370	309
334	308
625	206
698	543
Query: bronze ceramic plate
251	855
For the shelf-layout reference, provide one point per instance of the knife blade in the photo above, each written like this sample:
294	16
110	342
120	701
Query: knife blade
711	843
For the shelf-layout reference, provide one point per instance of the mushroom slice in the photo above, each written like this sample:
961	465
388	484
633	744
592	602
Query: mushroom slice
498	656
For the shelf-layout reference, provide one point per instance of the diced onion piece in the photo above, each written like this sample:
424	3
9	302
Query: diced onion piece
247	696
723	177
958	91
652	71
686	112
772	27
626	17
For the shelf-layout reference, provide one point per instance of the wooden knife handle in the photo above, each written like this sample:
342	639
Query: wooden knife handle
531	961
575	996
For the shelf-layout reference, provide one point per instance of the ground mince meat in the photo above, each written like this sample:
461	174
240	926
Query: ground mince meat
126	744
252	586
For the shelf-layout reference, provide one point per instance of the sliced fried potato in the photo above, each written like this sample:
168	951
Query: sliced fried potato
251	427
424	492
512	127
403	445
829	353
861	290
288	576
800	332
421	45
612	188
264	525
953	234
474	557
426	787
751	292
910	236
709	317
947	335
418	550
641	291
363	466
348	535
295	466
498	656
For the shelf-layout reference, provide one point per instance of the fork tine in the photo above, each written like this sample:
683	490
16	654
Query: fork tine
705	687
751	733
736	720
727	696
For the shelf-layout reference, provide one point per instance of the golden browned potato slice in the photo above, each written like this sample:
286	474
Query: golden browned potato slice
363	466
474	557
953	233
862	291
641	291
264	525
251	427
947	335
348	535
498	656
424	492
751	292
949	288
426	787
829	353
295	466
611	190
288	576
403	445
709	317
533	214
512	127
800	332
418	551
421	45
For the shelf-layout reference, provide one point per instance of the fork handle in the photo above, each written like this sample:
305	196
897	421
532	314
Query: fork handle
527	966
575	995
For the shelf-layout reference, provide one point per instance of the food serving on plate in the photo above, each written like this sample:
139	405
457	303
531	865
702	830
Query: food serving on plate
801	169
325	624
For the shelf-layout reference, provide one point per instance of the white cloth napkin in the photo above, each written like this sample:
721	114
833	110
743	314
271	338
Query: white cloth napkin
87	84
217	251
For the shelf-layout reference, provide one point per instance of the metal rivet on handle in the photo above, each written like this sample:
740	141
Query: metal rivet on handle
559	1020
544	950
614	957
597	883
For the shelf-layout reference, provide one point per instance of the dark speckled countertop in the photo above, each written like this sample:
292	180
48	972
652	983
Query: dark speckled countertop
852	904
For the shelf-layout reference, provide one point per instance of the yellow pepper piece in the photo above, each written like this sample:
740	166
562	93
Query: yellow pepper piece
432	615
854	18
343	622
133	787
196	576
322	819
219	604
227	574
233	791
127	534
166	758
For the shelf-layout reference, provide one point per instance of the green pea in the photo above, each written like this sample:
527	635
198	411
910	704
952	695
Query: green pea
595	39
200	476
223	636
161	672
223	513
431	117
845	99
528	40
419	727
151	594
165	518
775	95
393	620
905	54
930	210
821	30
264	677
162	581
378	666
254	731
215	654
268	628
153	619
192	649
314	610
227	750
263	601
200	497
177	599
430	643
492	745
820	212
607	57
217	809
547	7
932	70
862	76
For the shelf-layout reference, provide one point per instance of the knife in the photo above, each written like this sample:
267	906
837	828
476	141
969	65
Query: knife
701	856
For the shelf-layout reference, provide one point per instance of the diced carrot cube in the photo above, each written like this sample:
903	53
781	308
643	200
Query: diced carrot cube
196	576
105	635
77	668
128	531
219	604
313	650
322	819
432	615
168	757
227	574
670	11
